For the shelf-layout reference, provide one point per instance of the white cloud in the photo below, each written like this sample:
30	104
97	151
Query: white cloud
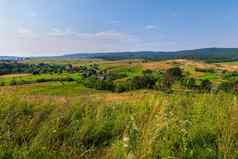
109	35
151	27
60	41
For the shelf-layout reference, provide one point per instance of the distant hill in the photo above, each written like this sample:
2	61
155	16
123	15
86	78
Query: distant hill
207	54
11	58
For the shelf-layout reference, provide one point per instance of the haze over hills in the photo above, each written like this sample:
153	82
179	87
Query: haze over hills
206	54
11	58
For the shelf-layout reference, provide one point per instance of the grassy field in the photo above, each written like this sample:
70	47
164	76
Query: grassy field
52	119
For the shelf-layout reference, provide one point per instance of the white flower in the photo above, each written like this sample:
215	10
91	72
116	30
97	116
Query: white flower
126	139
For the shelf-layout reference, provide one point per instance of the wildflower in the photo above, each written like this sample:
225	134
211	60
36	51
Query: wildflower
184	131
126	139
125	145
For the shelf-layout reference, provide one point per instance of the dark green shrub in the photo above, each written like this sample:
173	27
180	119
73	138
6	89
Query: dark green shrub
66	79
174	73
232	76
226	87
13	82
104	85
166	81
42	80
114	75
148	71
164	84
203	145
90	82
206	85
121	87
2	83
140	82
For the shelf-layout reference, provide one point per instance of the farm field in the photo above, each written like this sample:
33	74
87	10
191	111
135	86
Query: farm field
132	109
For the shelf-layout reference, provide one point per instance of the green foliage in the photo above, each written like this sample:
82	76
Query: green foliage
226	86
30	79
189	83
104	85
164	84
122	86
129	72
166	81
210	76
93	82
174	73
90	82
35	69
145	81
141	82
232	76
206	85
13	82
196	126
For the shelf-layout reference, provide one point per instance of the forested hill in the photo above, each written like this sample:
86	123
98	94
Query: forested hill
207	54
11	58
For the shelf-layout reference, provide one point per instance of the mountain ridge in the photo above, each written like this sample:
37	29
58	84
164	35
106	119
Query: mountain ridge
207	54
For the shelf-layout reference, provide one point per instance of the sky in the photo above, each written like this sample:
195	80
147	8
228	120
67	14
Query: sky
57	27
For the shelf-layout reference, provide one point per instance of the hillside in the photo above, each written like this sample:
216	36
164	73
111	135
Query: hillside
87	109
207	54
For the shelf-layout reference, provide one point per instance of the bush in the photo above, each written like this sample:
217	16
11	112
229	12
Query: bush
13	82
93	82
90	82
122	87
164	84
104	85
206	85
42	80
226	87
2	83
141	82
174	73
231	76
171	75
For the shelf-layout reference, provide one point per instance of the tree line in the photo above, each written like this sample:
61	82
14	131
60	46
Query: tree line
41	68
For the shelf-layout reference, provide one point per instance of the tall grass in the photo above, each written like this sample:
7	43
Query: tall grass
192	126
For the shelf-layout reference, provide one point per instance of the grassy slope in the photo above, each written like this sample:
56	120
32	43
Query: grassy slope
145	124
55	120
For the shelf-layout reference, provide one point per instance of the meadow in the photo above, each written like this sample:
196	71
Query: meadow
63	115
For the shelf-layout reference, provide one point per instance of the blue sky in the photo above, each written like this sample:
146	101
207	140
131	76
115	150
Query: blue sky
55	27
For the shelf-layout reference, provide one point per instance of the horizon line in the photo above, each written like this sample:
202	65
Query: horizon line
108	52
